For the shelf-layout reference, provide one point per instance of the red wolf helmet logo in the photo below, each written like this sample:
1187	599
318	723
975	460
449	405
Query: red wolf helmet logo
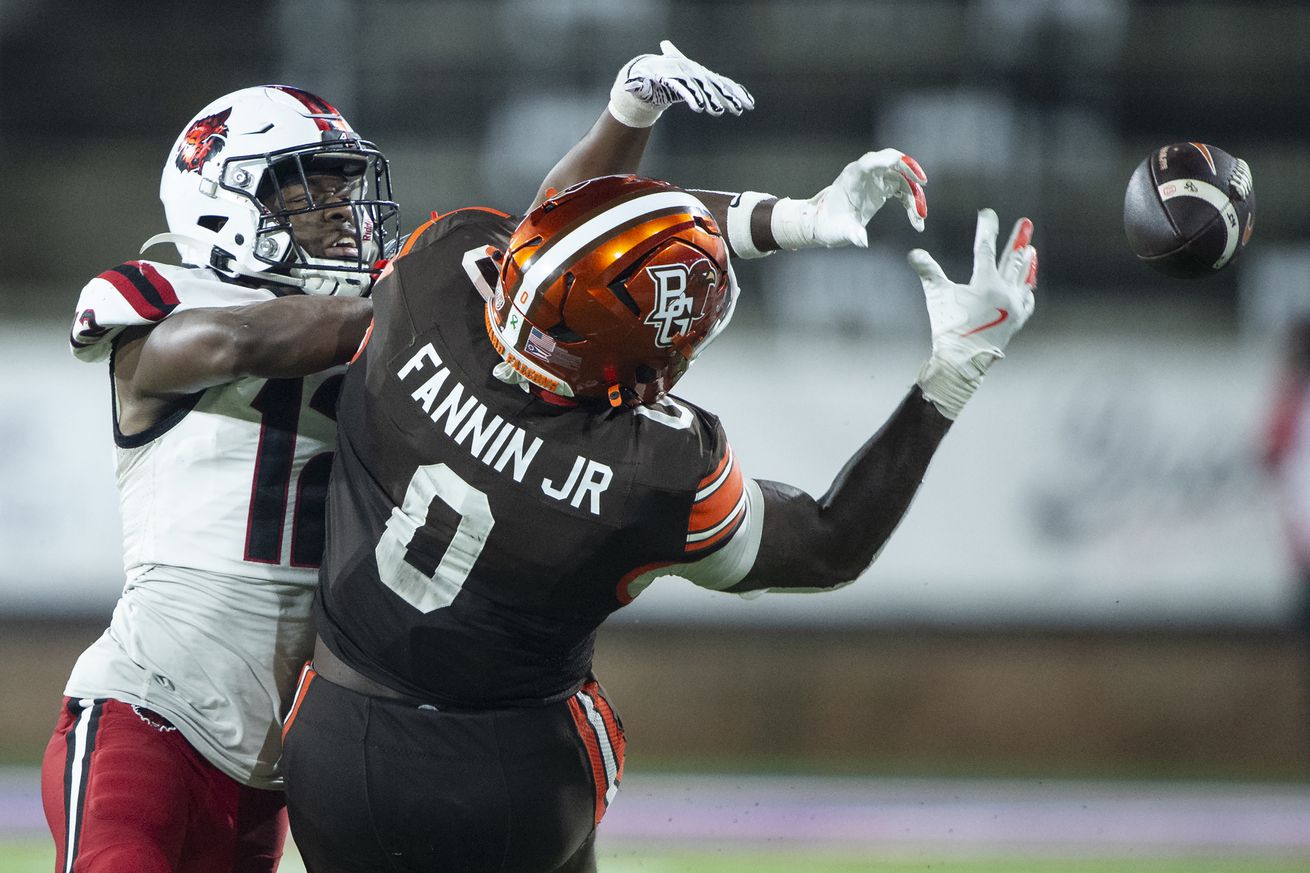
88	327
202	141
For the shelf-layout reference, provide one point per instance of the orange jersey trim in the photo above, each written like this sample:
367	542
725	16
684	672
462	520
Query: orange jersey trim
621	590
437	216
368	335
720	505
728	529
710	480
418	232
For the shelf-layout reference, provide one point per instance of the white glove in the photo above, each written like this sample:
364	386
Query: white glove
837	215
971	324
649	84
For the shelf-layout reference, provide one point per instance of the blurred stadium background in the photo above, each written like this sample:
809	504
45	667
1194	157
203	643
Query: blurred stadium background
1093	584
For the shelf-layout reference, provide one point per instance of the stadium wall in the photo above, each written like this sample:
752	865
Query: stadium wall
1097	480
903	701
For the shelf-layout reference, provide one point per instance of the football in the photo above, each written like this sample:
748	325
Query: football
1189	208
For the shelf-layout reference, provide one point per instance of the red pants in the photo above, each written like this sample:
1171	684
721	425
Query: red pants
125	793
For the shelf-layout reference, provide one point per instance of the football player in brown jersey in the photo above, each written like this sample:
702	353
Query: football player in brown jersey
511	470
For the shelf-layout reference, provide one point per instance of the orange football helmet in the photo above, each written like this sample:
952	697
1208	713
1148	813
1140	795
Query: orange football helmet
610	289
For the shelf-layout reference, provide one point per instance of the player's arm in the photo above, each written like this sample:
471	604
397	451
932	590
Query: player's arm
759	224
610	148
644	88
823	543
199	348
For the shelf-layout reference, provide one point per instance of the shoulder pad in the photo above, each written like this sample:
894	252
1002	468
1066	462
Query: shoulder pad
139	293
442	223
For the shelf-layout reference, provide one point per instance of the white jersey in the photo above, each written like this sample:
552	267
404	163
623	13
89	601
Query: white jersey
223	524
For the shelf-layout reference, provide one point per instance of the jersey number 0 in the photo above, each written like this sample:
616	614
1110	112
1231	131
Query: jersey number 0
408	546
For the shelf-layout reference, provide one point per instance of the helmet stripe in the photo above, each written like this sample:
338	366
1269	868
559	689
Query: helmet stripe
324	114
585	236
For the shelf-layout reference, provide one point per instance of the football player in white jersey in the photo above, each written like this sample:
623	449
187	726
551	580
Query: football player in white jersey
224	373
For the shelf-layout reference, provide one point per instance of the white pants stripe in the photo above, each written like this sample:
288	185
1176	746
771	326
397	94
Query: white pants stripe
597	722
81	741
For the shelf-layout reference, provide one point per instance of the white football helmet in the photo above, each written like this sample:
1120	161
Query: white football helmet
223	182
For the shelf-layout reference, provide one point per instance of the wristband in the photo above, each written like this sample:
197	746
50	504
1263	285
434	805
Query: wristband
740	237
629	109
949	386
793	223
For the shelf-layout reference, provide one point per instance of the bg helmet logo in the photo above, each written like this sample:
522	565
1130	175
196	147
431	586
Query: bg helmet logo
674	313
202	141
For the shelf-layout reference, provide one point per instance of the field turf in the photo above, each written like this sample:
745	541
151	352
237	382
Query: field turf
36	856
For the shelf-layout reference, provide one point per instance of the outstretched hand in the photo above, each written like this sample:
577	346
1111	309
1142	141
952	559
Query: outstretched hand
846	206
839	214
649	84
972	324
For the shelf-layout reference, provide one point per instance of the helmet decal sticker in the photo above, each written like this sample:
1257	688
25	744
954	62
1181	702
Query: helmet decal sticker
202	141
542	345
672	314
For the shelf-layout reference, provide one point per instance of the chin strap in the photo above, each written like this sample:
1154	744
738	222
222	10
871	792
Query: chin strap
507	374
350	284
314	282
324	277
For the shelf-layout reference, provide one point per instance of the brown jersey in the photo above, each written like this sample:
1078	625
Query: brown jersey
479	534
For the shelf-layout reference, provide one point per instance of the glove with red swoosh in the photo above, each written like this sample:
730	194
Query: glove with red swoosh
971	324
